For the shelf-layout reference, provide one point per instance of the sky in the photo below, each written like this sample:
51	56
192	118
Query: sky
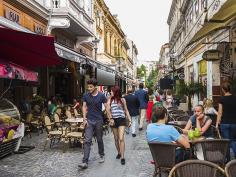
144	22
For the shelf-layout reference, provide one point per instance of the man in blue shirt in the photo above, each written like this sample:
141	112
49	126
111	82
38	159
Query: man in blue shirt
143	100
160	132
93	120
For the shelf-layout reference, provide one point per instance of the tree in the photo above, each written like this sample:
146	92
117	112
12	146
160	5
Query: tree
152	79
141	71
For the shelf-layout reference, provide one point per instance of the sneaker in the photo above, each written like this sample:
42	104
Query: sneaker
118	156
102	159
122	161
133	135
83	165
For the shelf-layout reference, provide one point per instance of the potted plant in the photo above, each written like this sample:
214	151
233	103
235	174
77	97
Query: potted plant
190	90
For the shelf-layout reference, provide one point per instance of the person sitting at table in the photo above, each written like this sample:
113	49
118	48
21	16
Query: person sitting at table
199	120
160	132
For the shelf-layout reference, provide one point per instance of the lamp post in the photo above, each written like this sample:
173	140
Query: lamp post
95	41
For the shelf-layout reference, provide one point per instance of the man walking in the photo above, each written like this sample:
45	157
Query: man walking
93	121
143	100
133	108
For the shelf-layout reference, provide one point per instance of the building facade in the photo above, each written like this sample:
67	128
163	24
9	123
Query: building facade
28	17
164	64
199	26
114	49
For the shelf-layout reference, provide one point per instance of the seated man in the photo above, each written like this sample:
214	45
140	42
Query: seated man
199	120
160	132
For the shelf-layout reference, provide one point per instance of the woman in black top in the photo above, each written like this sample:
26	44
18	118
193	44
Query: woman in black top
227	117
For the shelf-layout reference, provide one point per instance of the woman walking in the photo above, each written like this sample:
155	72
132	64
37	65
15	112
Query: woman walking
227	117
119	116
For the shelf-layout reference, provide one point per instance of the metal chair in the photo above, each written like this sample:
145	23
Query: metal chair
195	168
164	156
230	168
214	150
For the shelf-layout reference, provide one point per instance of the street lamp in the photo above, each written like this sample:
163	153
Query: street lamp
96	41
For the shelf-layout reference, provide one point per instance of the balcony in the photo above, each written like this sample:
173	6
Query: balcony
74	15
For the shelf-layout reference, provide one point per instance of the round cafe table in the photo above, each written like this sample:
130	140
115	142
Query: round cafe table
75	120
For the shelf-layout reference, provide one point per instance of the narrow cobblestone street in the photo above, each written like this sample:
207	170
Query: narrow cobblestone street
54	163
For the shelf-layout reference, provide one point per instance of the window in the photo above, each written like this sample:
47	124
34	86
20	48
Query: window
190	16
196	7
203	4
105	40
56	3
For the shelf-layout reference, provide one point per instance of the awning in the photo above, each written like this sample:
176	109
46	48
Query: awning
69	54
218	21
28	50
99	65
105	78
12	71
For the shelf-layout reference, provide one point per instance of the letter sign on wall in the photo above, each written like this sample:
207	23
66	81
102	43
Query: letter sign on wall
12	15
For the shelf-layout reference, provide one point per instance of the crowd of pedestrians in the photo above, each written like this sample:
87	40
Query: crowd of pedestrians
136	107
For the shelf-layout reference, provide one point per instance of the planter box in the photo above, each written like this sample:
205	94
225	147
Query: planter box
8	147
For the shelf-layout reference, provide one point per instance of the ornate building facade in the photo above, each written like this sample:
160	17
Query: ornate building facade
113	48
196	27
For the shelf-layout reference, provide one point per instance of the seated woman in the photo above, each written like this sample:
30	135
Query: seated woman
199	120
160	132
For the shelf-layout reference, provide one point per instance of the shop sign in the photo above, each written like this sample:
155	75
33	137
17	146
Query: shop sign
181	76
212	55
39	29
13	16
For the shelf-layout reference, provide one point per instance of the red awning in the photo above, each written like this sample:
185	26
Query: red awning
12	71
28	50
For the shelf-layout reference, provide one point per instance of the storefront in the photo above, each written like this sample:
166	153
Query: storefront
20	54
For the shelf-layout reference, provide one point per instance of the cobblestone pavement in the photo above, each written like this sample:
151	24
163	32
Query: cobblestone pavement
54	163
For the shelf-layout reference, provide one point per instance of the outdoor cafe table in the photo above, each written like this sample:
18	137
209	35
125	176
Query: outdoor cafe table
75	120
180	124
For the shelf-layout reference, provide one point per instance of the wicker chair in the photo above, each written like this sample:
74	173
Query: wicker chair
182	118
215	132
214	150
230	169
68	114
164	156
74	133
52	134
195	168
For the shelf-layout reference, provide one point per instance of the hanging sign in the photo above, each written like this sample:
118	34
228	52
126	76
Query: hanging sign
212	55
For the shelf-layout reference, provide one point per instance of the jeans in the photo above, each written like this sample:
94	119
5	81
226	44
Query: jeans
93	128
142	117
182	155
228	131
133	125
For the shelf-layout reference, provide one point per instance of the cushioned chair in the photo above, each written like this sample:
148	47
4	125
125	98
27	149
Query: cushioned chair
196	168
164	155
230	169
